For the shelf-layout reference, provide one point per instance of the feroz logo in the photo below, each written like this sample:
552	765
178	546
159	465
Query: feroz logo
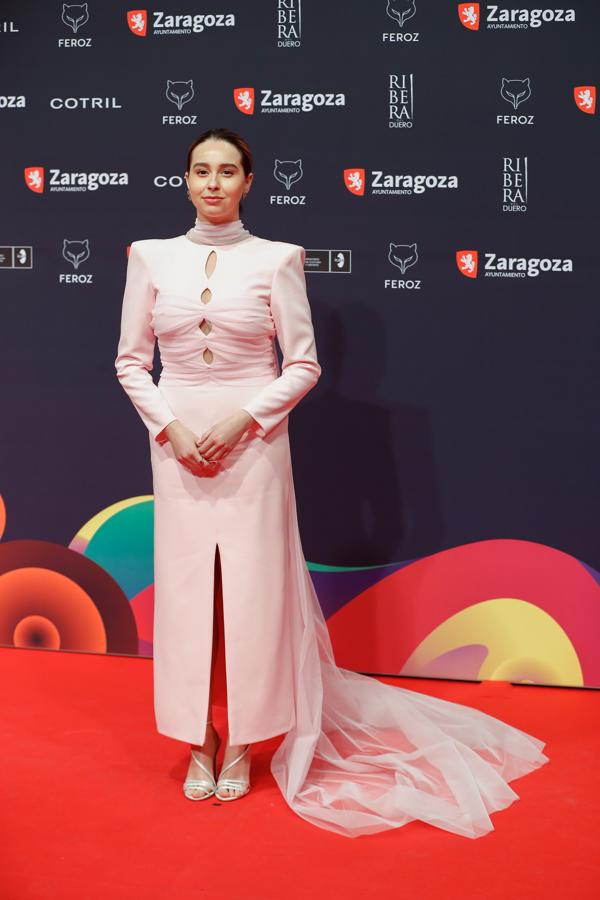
585	98
179	92
34	179
403	257
400	15
466	260
137	19
515	90
354	179
75	15
288	172
76	252
243	97
468	13
400	12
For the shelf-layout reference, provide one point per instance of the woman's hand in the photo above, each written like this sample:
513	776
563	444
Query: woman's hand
222	437
183	440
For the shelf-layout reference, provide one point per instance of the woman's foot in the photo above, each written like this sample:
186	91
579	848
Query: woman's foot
206	754
240	771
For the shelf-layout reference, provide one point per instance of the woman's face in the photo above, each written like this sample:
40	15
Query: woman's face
216	181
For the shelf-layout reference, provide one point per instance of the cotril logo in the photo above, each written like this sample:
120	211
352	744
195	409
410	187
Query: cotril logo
468	13
34	179
243	97
467	261
137	19
585	98
354	179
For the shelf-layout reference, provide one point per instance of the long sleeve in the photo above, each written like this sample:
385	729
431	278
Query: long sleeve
300	369
135	354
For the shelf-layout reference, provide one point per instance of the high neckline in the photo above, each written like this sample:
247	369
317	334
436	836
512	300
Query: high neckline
211	233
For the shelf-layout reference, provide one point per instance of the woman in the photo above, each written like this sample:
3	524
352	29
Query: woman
358	756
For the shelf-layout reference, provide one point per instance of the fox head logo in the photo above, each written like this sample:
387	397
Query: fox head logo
585	98
401	10
243	97
466	260
137	19
288	171
468	13
179	92
403	256
515	90
354	179
76	252
34	179
75	15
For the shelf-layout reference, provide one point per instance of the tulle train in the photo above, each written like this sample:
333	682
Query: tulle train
365	756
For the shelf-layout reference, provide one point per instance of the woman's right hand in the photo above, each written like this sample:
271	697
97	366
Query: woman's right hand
183	440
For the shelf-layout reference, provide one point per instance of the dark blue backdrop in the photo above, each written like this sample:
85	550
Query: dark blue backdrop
452	411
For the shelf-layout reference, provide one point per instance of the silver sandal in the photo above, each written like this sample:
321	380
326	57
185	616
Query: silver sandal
235	784
208	785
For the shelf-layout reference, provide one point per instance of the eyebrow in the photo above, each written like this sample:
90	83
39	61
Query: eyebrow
200	163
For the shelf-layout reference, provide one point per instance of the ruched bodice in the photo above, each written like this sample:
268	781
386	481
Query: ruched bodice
239	313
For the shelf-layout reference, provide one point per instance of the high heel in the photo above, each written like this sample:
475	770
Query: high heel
208	785
232	783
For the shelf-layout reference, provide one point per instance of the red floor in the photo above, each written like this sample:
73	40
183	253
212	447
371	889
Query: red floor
92	806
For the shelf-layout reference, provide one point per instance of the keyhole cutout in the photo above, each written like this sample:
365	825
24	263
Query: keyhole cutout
206	297
211	262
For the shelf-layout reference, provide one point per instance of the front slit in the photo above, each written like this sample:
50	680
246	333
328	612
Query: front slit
217	670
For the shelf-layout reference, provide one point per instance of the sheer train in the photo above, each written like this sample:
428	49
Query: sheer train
364	756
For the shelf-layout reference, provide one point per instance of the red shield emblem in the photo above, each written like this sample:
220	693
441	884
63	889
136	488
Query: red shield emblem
34	179
468	13
466	260
354	179
585	98
137	19
243	97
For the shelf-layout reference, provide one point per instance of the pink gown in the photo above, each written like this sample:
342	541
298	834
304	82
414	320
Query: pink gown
358	756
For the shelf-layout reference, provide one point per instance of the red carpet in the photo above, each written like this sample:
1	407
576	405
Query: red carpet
92	805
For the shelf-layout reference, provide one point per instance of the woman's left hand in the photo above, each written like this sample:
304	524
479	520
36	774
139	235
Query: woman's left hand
222	437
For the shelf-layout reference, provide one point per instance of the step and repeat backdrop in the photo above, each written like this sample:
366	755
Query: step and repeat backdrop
439	164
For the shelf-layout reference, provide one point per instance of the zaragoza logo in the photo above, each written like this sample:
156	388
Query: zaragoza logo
468	13
467	260
513	18
243	97
354	179
585	98
276	102
34	179
137	19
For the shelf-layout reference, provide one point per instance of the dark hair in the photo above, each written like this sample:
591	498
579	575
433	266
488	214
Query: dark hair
224	134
